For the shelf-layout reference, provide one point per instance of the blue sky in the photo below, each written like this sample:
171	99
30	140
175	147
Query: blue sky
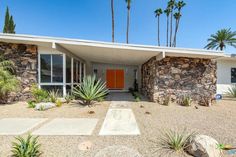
91	19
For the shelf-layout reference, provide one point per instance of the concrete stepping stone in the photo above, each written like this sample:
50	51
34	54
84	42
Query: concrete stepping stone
18	126
119	122
68	126
118	151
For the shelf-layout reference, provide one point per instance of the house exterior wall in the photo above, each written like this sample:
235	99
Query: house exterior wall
224	75
178	76
128	69
25	60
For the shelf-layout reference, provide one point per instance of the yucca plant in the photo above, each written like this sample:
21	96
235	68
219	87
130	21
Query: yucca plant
186	100
8	83
28	147
53	96
232	91
90	90
172	141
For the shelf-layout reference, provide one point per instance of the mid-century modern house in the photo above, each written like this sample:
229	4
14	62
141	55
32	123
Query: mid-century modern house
59	63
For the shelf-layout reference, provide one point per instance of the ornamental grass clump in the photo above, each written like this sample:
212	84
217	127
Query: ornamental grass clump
172	141
90	90
232	91
28	147
186	100
53	96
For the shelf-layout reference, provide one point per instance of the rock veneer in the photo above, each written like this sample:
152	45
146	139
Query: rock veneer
25	59
178	76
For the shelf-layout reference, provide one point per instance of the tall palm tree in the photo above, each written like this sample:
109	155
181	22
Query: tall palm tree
179	6
158	13
222	38
128	2
167	12
113	21
171	5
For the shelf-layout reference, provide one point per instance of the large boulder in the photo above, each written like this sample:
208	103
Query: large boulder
203	146
44	106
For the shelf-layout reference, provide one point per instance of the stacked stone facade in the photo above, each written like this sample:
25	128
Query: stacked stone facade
178	76
25	59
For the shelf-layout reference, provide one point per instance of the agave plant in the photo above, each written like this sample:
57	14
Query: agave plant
172	141
186	100
90	90
53	96
232	91
28	147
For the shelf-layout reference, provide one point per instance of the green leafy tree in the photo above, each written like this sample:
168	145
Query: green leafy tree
9	24
221	39
158	13
128	2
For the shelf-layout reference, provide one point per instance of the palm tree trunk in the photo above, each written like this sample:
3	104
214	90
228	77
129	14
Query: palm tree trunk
171	27
176	31
167	31
127	31
113	21
159	44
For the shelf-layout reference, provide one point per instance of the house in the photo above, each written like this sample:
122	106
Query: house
61	64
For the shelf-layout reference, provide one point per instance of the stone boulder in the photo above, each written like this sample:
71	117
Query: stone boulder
203	146
44	106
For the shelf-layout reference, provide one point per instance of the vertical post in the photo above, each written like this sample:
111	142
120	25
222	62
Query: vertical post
80	72
72	73
64	75
84	65
39	71
77	69
51	69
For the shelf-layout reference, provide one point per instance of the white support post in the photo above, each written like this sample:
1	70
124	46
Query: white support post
64	75
72	74
39	71
77	69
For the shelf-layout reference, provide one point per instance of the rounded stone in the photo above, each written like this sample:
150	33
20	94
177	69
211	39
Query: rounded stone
85	145
118	151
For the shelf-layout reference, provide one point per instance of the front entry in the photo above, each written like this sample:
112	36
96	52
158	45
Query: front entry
115	78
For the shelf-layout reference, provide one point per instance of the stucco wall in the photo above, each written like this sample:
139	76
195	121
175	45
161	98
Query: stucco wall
178	76
25	60
224	75
128	69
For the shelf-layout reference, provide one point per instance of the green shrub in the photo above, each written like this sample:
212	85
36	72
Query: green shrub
69	98
58	103
232	91
186	100
137	99
53	96
172	141
90	90
166	100
31	104
8	83
28	147
39	95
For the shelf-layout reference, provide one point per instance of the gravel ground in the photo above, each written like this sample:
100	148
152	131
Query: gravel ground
218	121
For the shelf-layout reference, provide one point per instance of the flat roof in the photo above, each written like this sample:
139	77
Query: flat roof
108	52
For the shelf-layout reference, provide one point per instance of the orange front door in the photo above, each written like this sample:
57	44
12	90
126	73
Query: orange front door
115	78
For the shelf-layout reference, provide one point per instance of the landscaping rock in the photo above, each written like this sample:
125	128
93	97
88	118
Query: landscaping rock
203	146
44	106
118	151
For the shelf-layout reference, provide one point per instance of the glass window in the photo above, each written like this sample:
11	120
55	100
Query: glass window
233	75
75	70
82	71
57	61
68	69
45	61
78	73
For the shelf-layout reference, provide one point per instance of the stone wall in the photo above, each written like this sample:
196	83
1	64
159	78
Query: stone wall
25	60
178	76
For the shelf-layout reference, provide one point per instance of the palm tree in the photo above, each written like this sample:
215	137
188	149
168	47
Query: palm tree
113	21
222	38
128	2
167	12
158	13
171	5
177	17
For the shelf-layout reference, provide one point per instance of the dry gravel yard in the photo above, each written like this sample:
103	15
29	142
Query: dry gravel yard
218	121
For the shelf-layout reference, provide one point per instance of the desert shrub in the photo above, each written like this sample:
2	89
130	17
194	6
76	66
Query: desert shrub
39	95
172	141
137	99
8	84
58	103
186	100
90	90
232	91
31	104
28	147
53	96
205	101
166	100
69	98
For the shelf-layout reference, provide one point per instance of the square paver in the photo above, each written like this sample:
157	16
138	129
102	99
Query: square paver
67	126
18	126
119	122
